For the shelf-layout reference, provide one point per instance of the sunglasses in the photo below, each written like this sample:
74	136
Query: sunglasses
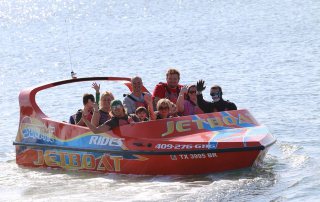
163	107
192	91
215	94
116	107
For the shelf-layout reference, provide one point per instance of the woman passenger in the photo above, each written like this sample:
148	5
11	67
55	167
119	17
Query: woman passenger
119	118
103	114
187	101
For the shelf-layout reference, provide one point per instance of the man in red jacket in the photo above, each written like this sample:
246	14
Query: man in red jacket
169	90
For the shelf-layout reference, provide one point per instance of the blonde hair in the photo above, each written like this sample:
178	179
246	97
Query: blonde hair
164	101
105	94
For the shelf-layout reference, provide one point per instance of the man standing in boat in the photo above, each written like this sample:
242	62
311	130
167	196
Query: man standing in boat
218	104
136	99
169	90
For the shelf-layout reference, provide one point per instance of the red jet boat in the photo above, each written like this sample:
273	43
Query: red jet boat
187	145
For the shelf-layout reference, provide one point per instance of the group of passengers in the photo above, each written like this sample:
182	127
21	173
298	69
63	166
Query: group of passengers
170	99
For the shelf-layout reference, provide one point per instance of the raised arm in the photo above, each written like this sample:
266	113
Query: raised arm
204	105
96	87
100	129
180	100
148	100
79	115
96	115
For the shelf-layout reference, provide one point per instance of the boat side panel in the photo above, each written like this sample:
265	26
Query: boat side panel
186	125
184	164
171	134
148	136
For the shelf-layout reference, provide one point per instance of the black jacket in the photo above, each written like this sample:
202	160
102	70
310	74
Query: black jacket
208	107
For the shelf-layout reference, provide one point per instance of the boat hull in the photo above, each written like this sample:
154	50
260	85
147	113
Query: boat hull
177	164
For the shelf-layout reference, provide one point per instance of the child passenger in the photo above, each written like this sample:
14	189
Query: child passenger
142	113
163	109
146	114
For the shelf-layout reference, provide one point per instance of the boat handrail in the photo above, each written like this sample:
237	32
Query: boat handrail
27	96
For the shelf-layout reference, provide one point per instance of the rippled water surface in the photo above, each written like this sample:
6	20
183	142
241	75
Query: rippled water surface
264	53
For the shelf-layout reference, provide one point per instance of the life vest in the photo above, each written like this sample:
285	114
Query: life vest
104	116
138	103
158	116
173	97
79	115
123	121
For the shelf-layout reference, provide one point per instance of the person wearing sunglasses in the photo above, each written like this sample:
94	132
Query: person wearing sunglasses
119	117
218	104
187	101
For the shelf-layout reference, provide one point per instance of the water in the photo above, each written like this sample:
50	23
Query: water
264	53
